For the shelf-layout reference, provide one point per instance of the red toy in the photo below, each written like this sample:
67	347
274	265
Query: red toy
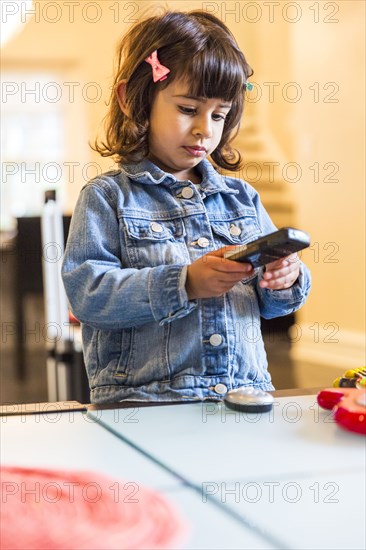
349	407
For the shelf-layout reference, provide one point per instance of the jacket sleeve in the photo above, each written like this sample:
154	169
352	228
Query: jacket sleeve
276	303
103	294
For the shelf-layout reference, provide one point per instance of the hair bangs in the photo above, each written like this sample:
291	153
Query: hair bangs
210	75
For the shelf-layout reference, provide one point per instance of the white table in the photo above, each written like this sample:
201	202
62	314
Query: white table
290	478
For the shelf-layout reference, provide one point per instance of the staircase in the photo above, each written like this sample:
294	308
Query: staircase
264	165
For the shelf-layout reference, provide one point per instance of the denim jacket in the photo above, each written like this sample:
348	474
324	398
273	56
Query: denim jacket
133	233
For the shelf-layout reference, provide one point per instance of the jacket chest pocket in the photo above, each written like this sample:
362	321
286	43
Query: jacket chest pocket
151	243
240	230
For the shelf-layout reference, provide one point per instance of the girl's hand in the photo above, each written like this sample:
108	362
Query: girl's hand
282	273
212	275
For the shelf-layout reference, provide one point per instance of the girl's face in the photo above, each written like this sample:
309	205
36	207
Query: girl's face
184	130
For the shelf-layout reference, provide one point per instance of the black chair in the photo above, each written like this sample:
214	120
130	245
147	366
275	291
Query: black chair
28	277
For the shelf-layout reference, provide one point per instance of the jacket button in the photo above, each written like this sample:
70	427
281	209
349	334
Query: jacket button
156	227
215	339
220	389
187	192
203	242
234	230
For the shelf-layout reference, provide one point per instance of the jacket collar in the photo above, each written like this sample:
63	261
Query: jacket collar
148	173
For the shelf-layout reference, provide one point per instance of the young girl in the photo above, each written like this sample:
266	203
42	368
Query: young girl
164	316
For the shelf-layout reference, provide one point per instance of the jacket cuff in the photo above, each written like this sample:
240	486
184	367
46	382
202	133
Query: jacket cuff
167	293
295	293
275	303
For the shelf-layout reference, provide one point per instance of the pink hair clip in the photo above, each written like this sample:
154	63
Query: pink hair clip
158	70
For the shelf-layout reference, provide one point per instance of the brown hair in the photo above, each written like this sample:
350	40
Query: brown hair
196	47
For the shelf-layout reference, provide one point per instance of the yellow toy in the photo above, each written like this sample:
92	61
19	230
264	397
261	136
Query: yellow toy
353	378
